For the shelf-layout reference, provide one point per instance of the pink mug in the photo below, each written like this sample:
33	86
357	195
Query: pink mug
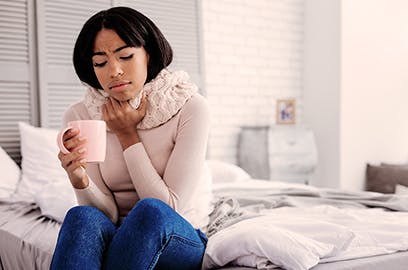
95	133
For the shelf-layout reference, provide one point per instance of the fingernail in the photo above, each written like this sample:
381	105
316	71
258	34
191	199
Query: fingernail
83	160
72	130
81	138
82	150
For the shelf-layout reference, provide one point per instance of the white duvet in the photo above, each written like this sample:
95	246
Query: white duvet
301	237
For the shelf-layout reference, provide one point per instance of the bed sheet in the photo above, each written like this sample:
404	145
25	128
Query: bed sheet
395	261
377	222
27	239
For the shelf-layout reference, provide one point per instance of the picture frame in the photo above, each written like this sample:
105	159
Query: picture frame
286	111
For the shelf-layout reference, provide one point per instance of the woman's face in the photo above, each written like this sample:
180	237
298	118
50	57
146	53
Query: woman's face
121	70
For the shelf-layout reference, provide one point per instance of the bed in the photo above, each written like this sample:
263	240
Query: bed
255	223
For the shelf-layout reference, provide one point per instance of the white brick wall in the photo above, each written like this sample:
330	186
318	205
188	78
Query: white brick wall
253	55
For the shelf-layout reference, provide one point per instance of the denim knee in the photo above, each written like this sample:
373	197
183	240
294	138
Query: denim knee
150	213
151	203
87	218
151	208
83	214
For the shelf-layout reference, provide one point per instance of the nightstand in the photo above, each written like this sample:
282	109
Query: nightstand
281	153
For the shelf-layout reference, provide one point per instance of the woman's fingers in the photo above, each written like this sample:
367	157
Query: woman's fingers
114	107
111	109
72	139
66	159
120	116
74	142
104	112
72	132
143	104
108	108
116	104
73	166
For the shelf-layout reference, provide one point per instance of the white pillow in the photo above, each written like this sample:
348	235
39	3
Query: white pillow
10	175
226	172
55	199
401	190
40	164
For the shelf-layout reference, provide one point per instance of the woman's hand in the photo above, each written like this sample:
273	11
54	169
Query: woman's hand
122	119
74	162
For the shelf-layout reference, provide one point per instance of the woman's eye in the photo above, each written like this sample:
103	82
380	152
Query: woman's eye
99	64
126	57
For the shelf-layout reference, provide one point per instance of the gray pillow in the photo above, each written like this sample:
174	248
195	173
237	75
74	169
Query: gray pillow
400	165
385	177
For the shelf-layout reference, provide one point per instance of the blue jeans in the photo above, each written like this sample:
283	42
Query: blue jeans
152	236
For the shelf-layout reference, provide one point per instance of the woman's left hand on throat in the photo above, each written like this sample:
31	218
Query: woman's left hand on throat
120	117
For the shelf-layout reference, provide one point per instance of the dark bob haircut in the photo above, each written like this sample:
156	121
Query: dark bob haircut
134	28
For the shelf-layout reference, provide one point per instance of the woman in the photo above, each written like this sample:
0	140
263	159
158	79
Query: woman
144	206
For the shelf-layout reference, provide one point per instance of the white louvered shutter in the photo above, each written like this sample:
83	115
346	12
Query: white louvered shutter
59	23
17	77
179	20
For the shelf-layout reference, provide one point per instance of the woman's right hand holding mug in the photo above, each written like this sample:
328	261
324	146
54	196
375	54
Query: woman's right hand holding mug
74	162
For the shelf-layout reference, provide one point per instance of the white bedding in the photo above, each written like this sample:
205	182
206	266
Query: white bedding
301	237
292	237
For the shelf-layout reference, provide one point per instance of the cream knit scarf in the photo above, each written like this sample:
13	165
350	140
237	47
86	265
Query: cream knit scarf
165	95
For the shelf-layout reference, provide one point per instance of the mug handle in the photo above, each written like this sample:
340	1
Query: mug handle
60	141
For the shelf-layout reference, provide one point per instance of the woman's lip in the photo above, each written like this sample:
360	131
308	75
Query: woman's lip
119	85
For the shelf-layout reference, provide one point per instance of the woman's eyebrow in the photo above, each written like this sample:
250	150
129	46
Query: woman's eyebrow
115	51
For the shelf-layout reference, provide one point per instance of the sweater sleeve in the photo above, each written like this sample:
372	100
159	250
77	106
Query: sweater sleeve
97	193
93	196
185	165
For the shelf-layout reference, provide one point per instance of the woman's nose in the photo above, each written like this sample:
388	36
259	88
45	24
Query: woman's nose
115	69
